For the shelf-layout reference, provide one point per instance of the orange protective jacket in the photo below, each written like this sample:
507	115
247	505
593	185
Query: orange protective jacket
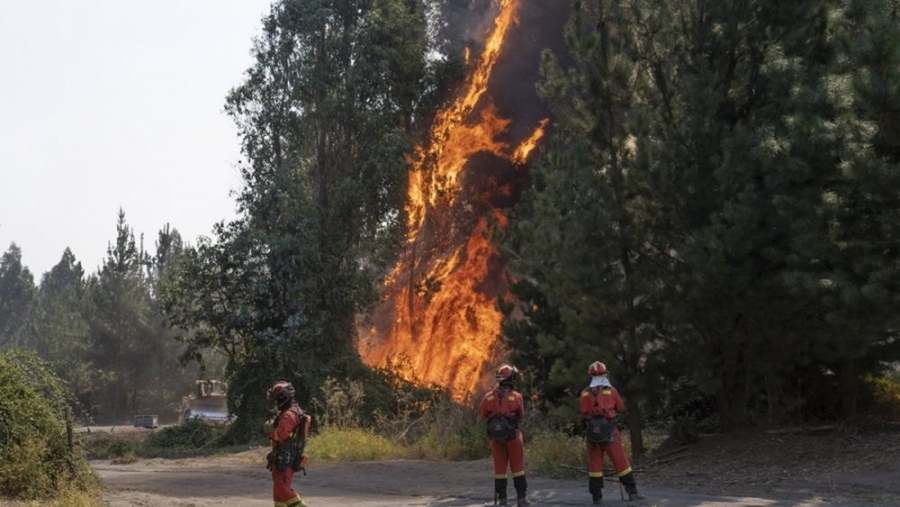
287	424
508	403
603	401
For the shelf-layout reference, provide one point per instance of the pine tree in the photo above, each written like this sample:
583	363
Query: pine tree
17	298
61	332
119	315
587	241
741	161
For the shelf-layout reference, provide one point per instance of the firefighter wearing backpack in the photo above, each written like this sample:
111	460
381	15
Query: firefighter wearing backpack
503	409
288	435
599	405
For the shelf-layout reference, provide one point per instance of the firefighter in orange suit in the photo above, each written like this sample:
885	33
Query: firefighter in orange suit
503	409
288	434
601	399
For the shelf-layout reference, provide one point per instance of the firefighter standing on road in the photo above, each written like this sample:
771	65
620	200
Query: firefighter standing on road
504	409
600	402
288	434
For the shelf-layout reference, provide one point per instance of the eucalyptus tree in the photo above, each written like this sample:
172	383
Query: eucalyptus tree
326	116
17	298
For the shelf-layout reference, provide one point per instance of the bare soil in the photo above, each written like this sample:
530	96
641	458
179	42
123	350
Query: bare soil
833	465
752	469
760	469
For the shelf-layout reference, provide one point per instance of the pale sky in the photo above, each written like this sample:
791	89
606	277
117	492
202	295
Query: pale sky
108	104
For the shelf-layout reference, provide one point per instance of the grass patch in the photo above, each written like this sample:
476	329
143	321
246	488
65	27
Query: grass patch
67	497
353	444
556	454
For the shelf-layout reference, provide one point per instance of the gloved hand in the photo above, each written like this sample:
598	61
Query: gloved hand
268	427
304	461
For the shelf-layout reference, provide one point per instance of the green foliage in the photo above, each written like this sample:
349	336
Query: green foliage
555	454
734	218
393	400
191	433
683	400
448	431
36	460
423	422
339	404
885	398
117	450
60	329
128	363
588	256
326	117
193	437
17	298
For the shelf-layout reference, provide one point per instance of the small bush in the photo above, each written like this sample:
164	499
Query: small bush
885	397
103	445
119	448
556	454
339	404
438	444
449	431
193	433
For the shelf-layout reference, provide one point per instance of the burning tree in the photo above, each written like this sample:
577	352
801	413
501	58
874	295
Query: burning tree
439	321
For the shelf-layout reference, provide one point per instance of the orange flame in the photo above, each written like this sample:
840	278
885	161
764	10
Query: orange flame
440	297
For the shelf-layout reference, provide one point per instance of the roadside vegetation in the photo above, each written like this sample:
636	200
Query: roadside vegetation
39	459
445	430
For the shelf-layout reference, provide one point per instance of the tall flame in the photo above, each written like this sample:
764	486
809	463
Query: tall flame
442	323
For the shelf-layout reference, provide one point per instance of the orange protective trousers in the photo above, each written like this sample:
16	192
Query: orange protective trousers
616	454
282	492
509	453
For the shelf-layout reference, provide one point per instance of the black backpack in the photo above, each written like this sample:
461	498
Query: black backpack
501	428
600	430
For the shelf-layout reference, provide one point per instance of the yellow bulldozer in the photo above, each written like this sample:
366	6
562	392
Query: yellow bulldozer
209	402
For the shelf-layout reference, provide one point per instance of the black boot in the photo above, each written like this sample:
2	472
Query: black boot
630	487
521	486
595	486
500	491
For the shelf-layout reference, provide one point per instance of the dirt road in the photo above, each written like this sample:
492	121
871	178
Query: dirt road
240	483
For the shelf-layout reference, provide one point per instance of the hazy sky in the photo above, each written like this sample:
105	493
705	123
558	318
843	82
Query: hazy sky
109	104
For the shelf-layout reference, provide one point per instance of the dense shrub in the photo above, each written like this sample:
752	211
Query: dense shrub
36	460
885	393
556	454
449	431
192	433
